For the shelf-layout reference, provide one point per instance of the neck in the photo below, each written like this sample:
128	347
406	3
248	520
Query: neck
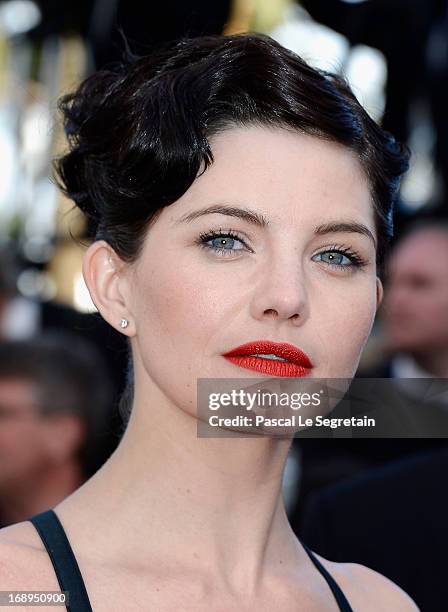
210	503
27	497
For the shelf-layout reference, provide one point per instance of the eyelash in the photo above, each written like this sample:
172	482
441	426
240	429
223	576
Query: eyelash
356	260
210	235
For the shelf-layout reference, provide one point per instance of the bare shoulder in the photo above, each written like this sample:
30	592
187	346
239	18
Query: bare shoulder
24	562
368	590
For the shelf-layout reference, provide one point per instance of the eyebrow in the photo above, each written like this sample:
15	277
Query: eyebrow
332	227
350	227
231	211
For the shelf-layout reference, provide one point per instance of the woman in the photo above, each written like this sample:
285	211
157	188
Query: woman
235	195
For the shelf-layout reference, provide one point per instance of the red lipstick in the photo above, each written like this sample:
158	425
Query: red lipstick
297	363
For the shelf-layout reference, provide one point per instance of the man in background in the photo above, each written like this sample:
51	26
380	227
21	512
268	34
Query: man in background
54	418
414	313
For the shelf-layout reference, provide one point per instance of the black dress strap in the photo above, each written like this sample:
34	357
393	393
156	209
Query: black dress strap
344	606
64	562
70	579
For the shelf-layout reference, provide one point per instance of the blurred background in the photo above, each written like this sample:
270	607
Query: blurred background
395	55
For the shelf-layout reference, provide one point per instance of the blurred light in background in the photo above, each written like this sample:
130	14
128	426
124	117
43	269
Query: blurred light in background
321	46
18	16
420	184
8	168
33	283
38	249
82	299
366	72
364	67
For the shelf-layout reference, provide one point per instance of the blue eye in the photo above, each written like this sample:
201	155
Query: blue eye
333	257
223	243
343	259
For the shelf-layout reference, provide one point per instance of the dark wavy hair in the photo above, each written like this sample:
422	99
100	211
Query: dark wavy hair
139	132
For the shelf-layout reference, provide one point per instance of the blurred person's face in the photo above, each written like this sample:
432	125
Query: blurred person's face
415	308
193	295
23	435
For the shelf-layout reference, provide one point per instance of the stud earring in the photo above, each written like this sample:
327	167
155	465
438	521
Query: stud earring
124	323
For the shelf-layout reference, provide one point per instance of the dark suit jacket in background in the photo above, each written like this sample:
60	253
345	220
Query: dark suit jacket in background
393	519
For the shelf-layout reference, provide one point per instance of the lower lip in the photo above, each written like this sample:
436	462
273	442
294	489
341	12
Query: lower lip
272	367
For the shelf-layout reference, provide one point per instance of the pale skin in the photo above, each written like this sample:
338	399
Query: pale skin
181	522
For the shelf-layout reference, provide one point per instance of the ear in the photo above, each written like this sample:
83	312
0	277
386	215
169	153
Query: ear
379	292
106	277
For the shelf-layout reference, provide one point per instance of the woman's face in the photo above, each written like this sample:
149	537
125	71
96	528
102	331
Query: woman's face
306	275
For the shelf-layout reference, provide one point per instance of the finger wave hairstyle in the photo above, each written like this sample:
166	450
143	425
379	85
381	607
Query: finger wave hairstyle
139	131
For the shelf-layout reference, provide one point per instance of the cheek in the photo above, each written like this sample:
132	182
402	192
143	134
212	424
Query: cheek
20	444
180	311
343	325
436	304
434	316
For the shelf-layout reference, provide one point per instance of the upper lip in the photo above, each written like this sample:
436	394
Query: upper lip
267	347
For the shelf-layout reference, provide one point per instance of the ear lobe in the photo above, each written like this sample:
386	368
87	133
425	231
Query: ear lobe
101	269
379	292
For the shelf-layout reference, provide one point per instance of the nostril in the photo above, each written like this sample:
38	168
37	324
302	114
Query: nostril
271	311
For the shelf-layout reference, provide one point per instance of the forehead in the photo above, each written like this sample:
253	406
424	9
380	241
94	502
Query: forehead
424	252
16	391
289	175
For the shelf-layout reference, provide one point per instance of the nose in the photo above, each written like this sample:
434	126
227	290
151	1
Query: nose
281	293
